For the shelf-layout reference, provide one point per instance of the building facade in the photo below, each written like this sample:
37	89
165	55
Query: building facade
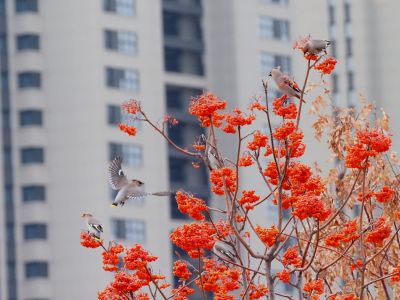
66	66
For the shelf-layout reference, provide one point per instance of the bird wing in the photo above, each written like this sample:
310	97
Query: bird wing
319	45
95	224
291	83
116	176
135	192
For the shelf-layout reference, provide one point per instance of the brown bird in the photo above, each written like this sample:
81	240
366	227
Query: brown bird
128	189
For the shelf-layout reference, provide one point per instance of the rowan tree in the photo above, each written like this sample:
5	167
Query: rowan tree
341	237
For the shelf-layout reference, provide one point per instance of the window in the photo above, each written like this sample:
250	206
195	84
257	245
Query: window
270	61
350	81
123	79
120	7
132	154
35	231
131	230
171	24
331	14
113	114
333	48
28	42
10	232
122	41
349	46
174	98
172	59
335	84
3	44
37	269
8	194
273	28
2	7
177	133
4	81
177	170
26	6
32	155
267	62
347	13
7	156
29	80
175	213
6	119
11	270
33	193
30	117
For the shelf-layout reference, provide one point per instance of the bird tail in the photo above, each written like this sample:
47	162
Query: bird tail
298	97
165	193
114	205
98	239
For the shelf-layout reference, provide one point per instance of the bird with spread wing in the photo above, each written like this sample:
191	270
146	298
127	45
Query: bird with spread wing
127	189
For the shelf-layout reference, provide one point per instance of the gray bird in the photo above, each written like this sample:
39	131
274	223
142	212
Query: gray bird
224	252
316	46
285	84
94	226
128	189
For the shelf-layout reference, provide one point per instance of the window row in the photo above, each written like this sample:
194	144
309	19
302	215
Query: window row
29	155
124	79
34	117
271	28
122	41
120	7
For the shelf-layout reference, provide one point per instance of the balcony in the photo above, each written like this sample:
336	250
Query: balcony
187	7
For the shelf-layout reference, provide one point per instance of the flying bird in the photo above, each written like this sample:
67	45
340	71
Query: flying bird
285	83
316	46
94	226
128	189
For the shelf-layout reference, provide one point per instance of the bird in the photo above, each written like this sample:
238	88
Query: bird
285	84
224	252
127	189
316	46
94	226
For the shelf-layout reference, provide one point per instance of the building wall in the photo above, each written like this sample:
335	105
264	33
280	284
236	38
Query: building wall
74	98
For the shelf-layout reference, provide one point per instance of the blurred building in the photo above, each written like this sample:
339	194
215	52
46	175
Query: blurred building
66	66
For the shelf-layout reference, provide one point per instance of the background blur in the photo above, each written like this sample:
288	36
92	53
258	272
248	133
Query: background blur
67	65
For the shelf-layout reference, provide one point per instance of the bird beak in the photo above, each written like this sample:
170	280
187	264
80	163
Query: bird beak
114	205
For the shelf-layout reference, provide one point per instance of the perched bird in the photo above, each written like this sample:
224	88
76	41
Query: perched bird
224	252
285	84
94	226
128	189
316	46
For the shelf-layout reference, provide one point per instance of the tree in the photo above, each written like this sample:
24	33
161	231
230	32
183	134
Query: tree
341	239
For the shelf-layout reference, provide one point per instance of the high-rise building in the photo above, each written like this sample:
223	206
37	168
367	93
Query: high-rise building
66	66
